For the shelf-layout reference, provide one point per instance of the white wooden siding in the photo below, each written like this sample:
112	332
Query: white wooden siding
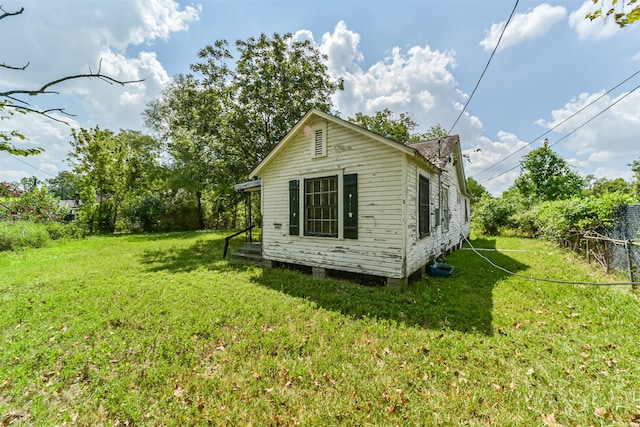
380	246
420	251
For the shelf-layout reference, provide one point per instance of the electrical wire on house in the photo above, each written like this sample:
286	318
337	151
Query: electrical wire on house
539	279
557	125
495	49
570	133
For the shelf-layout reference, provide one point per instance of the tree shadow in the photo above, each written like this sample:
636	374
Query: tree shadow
203	253
462	301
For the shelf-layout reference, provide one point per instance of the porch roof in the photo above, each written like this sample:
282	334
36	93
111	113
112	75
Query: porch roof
253	185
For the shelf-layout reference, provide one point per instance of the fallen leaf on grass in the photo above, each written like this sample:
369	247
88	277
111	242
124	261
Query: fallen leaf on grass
550	420
517	325
178	391
600	412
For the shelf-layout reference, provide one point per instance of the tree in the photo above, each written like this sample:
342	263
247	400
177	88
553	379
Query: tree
113	169
635	168
476	190
625	12
398	128
602	186
64	185
545	176
220	122
436	131
11	101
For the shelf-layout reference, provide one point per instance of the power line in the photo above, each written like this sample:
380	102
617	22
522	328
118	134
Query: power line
485	68
570	133
539	279
559	124
30	165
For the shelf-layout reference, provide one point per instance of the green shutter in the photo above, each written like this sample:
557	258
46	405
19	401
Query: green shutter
294	207
350	206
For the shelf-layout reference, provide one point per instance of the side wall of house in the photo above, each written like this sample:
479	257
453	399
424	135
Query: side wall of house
442	236
379	247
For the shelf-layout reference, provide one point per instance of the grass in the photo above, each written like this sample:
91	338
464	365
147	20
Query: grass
159	330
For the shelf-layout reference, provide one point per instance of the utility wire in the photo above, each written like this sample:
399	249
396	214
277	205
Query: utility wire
559	124
30	165
485	68
570	133
539	279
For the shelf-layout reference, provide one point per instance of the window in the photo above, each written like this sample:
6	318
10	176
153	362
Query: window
466	211
321	206
446	216
423	206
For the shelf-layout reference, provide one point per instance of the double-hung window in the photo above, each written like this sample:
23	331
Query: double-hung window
321	206
329	205
423	206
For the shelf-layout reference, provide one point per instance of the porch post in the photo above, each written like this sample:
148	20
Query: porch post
250	219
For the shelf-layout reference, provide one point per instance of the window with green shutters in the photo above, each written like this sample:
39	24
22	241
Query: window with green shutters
321	206
423	206
321	198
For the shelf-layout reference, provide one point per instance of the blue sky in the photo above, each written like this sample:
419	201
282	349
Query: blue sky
421	57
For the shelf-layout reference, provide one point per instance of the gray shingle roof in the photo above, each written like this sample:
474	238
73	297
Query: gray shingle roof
436	151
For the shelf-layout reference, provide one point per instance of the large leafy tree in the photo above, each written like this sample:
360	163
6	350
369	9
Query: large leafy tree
64	185
386	123
476	190
111	168
547	176
398	127
221	121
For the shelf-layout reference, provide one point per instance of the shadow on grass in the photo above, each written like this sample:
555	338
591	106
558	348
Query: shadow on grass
203	253
462	302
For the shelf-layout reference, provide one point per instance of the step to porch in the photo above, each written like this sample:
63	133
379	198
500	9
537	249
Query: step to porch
250	251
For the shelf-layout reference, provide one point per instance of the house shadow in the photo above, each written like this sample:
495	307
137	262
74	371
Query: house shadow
461	302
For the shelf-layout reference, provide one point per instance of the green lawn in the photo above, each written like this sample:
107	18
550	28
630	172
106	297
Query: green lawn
159	330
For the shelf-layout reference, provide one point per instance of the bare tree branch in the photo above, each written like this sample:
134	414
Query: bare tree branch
90	75
5	13
45	113
3	65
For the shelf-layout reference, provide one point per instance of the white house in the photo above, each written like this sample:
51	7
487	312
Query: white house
336	196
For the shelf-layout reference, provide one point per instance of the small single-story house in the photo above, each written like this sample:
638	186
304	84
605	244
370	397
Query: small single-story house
335	196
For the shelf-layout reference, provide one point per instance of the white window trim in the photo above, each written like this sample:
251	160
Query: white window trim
322	174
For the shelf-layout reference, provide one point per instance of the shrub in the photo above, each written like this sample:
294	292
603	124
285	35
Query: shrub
22	234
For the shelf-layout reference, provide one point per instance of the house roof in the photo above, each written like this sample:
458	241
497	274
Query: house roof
314	114
437	152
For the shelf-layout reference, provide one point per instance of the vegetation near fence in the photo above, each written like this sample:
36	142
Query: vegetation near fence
158	329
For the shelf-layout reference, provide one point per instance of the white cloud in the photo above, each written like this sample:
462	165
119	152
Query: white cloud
342	49
611	138
596	29
493	162
418	81
73	43
524	26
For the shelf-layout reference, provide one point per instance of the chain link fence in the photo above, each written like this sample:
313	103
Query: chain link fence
625	252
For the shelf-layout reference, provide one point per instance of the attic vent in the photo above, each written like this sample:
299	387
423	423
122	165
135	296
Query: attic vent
319	143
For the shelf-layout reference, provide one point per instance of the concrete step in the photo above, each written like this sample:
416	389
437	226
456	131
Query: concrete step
250	251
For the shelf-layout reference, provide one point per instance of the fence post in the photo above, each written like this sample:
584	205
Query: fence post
627	246
587	250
